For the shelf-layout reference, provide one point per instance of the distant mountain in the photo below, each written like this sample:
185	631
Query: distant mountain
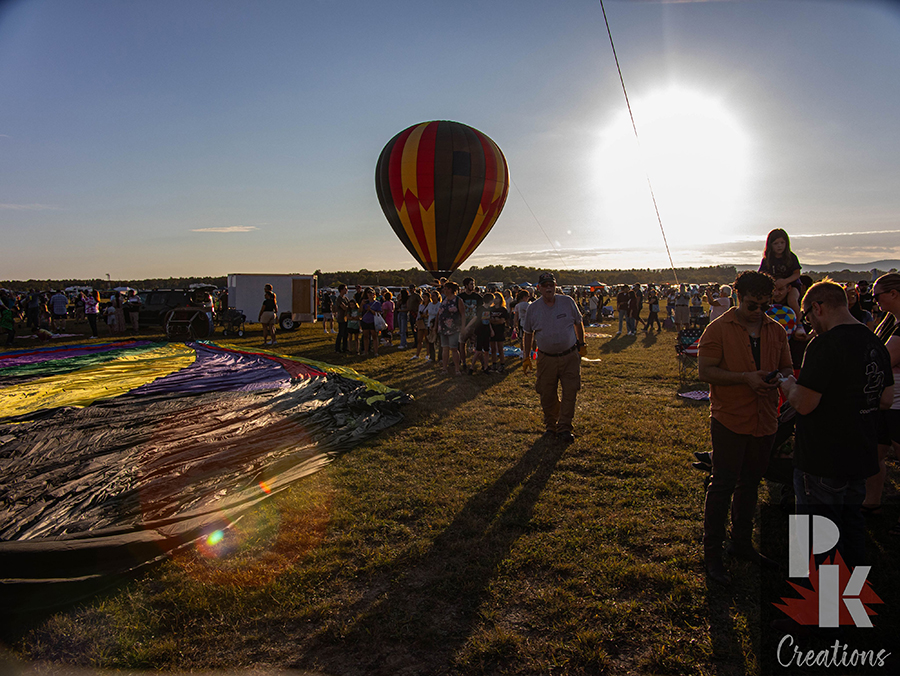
885	266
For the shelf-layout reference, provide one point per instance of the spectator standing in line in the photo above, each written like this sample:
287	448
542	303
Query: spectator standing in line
59	310
117	303
387	311
866	296
718	302
554	322
653	305
450	323
499	316
622	308
133	306
32	309
412	309
736	353
634	310
327	308
341	310
91	309
682	309
887	293
472	301
401	313
860	314
593	306
846	378
369	308
670	302
268	314
7	322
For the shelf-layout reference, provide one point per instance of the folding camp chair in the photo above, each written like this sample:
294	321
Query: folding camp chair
687	346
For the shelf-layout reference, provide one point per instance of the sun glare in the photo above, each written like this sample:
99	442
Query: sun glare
697	156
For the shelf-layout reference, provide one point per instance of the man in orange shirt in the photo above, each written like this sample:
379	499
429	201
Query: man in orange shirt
737	353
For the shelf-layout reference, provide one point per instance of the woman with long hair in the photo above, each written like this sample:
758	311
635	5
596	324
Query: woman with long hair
782	263
268	313
886	293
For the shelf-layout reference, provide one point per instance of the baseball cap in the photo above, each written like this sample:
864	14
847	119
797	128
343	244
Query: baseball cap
546	277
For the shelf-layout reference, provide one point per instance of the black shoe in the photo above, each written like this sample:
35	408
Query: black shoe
566	437
549	434
751	554
716	571
702	466
703	456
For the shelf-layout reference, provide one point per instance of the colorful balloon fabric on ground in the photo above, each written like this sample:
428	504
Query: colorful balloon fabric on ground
115	454
441	186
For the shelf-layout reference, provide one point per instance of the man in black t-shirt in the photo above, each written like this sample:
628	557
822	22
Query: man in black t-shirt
473	302
845	378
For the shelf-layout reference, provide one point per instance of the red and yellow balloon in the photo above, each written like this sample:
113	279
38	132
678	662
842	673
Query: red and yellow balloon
441	186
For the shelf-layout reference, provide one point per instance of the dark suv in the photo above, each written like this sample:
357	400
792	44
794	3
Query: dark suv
158	303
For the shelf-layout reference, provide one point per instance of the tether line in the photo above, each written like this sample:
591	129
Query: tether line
638	139
534	216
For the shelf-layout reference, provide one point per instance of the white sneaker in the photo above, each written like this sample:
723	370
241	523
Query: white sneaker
427	358
401	347
415	356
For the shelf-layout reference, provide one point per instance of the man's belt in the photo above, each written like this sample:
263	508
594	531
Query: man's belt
559	354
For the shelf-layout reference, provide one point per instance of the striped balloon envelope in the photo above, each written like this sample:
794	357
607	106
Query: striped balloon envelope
441	186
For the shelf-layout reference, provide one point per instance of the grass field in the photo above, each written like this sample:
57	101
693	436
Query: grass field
461	541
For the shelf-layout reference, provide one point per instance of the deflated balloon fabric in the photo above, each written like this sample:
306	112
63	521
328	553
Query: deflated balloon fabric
114	455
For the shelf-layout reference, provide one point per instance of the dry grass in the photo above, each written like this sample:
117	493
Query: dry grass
459	541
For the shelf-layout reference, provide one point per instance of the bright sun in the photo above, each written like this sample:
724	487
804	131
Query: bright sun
697	156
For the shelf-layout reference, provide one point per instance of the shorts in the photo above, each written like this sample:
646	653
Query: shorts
267	318
889	426
60	316
327	316
450	340
499	333
483	342
353	330
367	326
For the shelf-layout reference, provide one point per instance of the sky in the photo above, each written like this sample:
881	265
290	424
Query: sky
157	138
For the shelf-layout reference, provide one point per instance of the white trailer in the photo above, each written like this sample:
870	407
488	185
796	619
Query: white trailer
297	296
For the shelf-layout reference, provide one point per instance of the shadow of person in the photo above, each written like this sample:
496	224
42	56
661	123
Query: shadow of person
650	339
417	622
617	344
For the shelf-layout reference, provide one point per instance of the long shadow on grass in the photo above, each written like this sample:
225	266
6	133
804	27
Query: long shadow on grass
617	344
417	622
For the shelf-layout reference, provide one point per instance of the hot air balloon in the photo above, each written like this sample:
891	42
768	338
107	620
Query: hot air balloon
441	186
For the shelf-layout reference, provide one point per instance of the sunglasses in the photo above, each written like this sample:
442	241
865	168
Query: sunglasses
807	312
753	307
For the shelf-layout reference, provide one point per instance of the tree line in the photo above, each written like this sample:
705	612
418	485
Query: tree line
507	275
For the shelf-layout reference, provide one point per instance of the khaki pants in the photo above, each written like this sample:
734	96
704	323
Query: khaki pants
552	372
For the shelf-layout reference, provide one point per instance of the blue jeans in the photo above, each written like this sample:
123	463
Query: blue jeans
839	500
622	317
402	324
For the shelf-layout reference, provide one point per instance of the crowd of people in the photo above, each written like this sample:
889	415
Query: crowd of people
46	313
829	354
462	330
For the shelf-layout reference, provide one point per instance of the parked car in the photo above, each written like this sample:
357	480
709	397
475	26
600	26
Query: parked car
158	303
